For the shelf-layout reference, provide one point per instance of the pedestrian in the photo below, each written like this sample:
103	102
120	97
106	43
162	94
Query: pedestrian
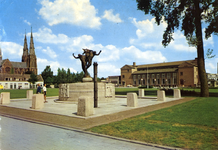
38	91
45	92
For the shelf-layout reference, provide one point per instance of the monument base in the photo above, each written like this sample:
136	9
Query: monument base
87	79
72	91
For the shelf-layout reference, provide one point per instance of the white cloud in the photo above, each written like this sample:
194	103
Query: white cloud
108	14
11	50
143	57
49	52
211	65
42	63
2	33
76	12
109	68
45	35
25	21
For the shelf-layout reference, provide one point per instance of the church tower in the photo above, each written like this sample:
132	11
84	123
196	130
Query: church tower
0	55
25	51
32	61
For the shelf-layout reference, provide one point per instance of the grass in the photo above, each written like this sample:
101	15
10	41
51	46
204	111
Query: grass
191	125
14	94
153	92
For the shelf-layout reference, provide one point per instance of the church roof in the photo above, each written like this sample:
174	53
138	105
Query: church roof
19	64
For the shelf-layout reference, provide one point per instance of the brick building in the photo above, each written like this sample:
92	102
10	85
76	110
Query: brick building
169	74
15	75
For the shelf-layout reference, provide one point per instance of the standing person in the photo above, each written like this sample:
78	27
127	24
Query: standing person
44	91
38	91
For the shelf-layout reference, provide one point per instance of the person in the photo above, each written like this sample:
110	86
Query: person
45	92
38	91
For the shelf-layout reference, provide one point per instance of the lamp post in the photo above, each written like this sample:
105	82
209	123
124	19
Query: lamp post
147	79
141	81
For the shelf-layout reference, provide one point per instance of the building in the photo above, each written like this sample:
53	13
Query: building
212	80
14	75
115	80
167	74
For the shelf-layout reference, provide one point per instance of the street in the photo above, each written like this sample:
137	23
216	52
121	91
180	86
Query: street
21	135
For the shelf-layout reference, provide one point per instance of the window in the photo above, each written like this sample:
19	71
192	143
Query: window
181	73
123	76
163	78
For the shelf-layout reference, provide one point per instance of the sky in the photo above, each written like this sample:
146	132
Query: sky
63	27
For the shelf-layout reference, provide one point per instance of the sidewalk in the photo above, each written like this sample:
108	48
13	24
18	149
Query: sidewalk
65	113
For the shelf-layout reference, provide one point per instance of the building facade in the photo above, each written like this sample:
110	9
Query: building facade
169	74
14	75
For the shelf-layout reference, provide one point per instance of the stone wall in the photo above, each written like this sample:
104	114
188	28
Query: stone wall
72	91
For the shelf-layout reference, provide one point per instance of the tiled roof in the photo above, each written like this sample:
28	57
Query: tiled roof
156	71
19	64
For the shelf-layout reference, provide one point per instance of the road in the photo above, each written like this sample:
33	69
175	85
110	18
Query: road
22	135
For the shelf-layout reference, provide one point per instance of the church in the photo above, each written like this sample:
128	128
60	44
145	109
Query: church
15	75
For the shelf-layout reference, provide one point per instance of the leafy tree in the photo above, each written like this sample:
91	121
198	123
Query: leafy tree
33	78
47	76
189	14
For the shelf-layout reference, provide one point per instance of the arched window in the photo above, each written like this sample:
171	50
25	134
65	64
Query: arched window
181	81
7	70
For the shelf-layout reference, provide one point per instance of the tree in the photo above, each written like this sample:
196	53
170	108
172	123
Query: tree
188	14
47	75
33	78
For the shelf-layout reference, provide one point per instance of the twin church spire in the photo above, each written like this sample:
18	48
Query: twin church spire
29	55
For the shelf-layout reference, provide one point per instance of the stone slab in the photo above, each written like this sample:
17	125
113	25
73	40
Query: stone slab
37	101
29	94
132	100
177	93
161	95
5	98
85	106
141	93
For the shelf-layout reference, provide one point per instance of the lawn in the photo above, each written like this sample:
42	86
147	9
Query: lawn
191	125
14	94
153	91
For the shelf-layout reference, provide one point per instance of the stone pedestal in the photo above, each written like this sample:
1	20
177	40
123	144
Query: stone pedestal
132	100
29	94
5	98
72	91
37	101
141	93
85	106
160	95
177	93
87	79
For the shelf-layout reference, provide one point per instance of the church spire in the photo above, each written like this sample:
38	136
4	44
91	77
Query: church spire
25	47
32	48
25	50
0	54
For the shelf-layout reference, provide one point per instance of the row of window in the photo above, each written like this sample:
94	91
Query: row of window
155	79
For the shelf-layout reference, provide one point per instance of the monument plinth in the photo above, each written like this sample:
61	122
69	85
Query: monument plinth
87	79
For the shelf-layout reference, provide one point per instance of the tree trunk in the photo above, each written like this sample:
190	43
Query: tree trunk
200	51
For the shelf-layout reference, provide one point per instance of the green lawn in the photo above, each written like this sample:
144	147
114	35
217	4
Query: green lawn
191	125
153	91
22	92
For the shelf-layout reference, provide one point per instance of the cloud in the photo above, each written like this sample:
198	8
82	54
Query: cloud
2	33
211	65
25	21
45	35
75	12
49	52
109	68
134	53
149	35
108	14
11	50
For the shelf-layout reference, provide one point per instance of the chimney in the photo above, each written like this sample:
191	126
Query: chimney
134	64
